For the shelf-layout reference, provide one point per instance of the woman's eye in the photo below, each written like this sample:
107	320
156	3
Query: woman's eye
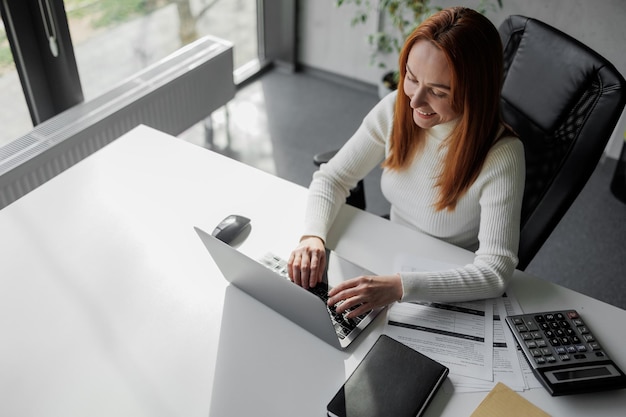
437	93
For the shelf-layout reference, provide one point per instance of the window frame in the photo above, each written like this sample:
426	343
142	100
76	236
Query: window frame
35	28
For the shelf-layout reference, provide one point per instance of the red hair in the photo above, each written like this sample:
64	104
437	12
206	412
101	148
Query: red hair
473	49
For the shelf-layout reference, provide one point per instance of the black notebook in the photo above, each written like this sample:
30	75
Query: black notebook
391	380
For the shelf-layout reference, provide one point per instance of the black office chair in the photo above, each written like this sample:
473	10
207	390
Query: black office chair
563	100
356	198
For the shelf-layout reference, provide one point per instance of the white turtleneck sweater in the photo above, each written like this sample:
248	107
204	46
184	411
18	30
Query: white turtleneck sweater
486	219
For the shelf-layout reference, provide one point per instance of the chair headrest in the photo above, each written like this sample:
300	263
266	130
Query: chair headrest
548	72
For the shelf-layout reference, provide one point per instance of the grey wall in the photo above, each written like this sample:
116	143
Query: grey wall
328	41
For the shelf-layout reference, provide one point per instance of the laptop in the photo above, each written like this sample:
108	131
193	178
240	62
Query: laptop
266	280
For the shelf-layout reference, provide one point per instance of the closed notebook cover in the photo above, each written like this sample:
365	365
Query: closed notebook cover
391	380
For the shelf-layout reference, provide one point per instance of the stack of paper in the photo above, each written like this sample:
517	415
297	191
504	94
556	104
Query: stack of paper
471	338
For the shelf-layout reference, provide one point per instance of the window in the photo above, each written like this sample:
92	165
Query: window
14	117
114	39
109	40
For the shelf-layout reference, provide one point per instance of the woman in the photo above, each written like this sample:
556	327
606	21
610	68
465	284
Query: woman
451	169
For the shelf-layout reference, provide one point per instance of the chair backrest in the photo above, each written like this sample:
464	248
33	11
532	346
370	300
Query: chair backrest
563	100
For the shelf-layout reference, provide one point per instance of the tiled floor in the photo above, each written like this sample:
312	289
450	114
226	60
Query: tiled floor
281	120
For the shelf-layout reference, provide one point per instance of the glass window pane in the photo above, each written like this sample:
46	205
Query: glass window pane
113	39
14	117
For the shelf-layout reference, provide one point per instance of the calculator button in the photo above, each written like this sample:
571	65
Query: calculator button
521	328
546	352
581	348
544	326
572	315
535	352
526	336
588	338
600	354
572	349
575	339
531	325
559	316
531	344
564	324
541	343
549	317
550	359
540	361
564	358
560	350
594	346
536	335
554	341
517	321
580	356
578	322
539	318
554	325
583	330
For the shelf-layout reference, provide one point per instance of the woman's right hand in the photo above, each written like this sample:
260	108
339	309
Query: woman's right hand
307	262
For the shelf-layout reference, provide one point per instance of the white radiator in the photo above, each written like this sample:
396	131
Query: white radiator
171	95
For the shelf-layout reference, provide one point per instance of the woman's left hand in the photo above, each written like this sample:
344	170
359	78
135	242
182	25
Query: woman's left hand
366	292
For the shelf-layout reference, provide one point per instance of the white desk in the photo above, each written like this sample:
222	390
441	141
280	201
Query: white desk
110	305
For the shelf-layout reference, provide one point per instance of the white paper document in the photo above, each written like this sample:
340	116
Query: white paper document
470	338
506	365
513	308
458	335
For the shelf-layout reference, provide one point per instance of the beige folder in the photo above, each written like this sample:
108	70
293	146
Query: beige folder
503	401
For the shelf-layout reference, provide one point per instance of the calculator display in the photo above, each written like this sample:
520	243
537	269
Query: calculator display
581	373
564	353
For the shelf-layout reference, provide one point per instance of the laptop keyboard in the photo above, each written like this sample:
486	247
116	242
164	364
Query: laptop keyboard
343	326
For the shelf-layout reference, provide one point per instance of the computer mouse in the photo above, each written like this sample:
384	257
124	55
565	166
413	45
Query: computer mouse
229	229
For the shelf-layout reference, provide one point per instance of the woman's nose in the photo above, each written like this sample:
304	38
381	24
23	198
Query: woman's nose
417	98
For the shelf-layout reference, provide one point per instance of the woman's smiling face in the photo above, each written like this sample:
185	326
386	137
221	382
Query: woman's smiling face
427	85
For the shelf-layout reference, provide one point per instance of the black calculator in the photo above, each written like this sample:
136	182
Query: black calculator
564	353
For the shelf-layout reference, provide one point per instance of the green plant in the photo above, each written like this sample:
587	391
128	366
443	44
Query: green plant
117	11
6	57
402	16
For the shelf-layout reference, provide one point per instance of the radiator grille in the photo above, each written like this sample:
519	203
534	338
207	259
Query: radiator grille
171	95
